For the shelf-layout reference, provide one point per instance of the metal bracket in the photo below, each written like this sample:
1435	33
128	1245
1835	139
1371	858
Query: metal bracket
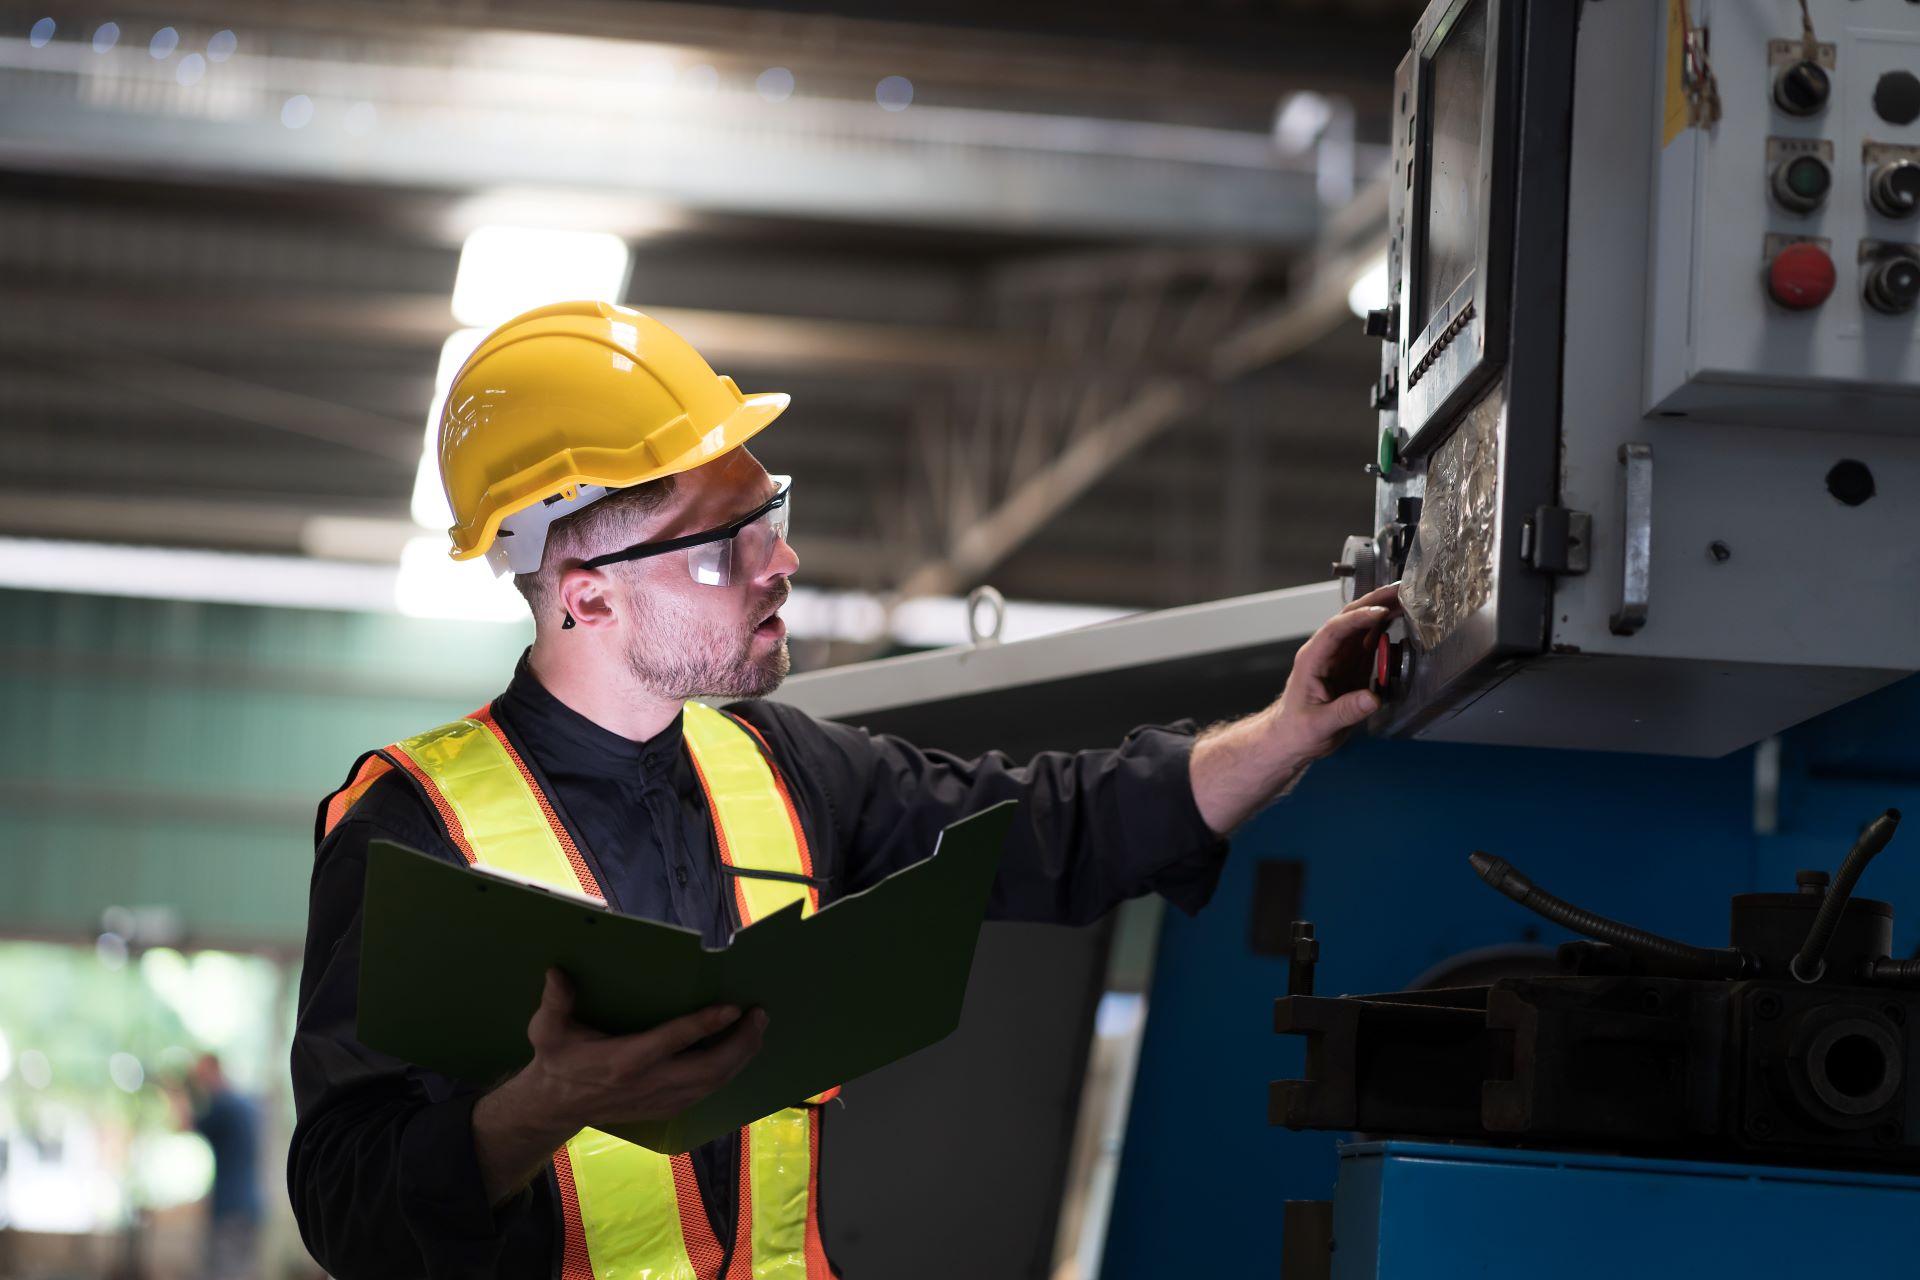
1557	540
1636	558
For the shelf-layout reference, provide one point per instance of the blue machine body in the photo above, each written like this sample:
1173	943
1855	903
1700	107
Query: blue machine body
1427	1211
1383	830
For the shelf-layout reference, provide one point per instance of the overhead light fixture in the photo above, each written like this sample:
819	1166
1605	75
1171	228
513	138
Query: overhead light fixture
507	270
171	573
428	584
1369	291
629	217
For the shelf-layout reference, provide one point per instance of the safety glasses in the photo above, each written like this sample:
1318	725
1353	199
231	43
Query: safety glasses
736	552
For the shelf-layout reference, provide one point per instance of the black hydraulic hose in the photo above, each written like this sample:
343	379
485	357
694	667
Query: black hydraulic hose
1692	961
1811	962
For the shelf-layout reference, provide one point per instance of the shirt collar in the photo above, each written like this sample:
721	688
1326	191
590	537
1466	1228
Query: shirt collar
557	731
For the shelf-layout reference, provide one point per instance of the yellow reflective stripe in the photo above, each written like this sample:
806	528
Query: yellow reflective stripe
750	818
628	1209
496	809
781	1160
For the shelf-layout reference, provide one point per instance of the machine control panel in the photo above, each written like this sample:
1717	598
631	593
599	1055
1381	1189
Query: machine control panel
1677	237
1794	307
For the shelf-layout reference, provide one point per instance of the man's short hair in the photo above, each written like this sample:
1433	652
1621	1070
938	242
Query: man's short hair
597	528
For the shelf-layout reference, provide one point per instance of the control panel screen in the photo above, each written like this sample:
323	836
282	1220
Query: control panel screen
1457	74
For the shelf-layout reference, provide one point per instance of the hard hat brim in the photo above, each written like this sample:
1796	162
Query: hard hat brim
611	468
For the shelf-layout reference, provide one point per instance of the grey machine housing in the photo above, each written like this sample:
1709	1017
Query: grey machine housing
1636	503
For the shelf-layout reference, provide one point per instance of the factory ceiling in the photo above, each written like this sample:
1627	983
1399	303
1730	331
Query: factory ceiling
1071	318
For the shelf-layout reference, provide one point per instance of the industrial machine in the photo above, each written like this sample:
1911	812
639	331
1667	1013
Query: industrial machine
1649	445
1652	1078
1795	1043
1650	381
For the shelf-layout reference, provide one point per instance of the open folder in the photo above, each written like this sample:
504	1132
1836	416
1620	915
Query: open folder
453	960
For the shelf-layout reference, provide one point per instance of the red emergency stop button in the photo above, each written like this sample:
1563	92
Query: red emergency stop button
1800	276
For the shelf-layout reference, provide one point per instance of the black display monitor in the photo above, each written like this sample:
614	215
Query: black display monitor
1456	99
1458	258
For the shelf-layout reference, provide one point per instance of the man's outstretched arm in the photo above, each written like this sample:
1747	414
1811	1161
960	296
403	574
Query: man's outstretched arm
1238	768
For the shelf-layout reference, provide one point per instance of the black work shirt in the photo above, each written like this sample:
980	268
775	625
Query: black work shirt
382	1169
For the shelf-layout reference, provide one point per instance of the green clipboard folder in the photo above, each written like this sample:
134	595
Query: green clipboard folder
453	960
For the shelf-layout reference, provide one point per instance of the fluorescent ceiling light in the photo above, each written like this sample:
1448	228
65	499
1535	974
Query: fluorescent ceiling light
1369	291
430	509
624	214
507	270
217	577
428	584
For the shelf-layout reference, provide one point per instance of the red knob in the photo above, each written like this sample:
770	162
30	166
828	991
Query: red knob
1800	276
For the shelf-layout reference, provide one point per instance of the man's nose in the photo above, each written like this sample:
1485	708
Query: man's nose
785	562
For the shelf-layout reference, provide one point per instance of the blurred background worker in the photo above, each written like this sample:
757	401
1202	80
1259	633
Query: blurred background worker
591	452
236	1205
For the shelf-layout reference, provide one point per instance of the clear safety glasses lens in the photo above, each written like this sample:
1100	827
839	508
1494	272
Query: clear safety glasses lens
745	555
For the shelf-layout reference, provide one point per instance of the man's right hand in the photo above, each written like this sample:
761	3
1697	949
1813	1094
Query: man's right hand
580	1078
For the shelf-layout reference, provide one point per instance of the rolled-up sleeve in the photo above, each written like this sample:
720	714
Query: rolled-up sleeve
1094	828
381	1171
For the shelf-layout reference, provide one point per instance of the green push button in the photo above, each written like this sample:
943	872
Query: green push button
1801	184
1389	451
1808	177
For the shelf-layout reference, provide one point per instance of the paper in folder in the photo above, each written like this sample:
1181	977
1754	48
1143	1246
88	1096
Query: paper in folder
452	962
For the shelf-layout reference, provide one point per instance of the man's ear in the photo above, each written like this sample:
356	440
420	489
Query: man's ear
587	597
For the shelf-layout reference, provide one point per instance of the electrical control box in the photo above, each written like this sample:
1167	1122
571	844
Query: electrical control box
1785	258
1648	464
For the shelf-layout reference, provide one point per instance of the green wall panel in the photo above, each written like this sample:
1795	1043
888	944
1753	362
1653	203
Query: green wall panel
170	754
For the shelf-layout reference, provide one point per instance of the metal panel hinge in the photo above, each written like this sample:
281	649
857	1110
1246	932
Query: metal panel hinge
1556	540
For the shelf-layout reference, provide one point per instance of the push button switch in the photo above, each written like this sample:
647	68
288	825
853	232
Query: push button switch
1894	189
1800	277
1892	285
1801	184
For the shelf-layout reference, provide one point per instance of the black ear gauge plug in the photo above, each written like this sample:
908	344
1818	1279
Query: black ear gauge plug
566	622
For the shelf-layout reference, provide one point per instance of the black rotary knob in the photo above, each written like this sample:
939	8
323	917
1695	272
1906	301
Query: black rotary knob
1893	284
1802	89
1894	189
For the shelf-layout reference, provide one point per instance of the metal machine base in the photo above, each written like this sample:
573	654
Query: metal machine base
1412	1209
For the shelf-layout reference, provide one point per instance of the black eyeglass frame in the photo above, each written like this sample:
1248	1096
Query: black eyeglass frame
723	533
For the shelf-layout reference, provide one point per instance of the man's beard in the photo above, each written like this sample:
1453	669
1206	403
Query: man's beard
675	658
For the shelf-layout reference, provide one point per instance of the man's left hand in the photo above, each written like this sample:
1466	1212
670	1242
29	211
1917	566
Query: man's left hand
1327	694
1237	768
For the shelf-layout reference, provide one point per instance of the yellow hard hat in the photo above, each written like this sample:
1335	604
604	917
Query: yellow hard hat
561	405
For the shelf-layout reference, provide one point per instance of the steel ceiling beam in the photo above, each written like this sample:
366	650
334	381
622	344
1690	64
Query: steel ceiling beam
518	112
424	321
1317	303
1122	57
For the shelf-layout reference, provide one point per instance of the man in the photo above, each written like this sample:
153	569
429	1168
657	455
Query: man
230	1123
590	451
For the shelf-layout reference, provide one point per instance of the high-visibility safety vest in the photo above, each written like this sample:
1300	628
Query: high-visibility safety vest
632	1213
